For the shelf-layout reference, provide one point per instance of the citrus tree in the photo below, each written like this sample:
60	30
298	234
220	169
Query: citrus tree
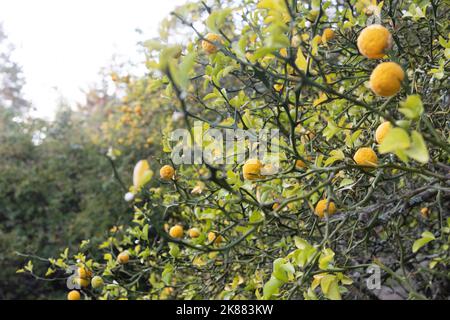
358	92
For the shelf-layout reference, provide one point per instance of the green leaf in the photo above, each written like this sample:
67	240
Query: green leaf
396	139
283	270
256	216
49	272
419	243
144	234
174	250
418	150
326	281
326	257
166	275
271	287
333	291
185	68
336	155
412	107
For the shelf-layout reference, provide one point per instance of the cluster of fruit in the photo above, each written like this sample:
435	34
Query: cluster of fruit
83	279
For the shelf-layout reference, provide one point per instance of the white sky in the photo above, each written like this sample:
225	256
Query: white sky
63	44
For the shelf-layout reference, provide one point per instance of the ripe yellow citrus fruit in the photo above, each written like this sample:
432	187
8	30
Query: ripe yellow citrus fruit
374	41
328	34
167	172
300	164
176	231
140	175
325	206
386	79
366	157
73	295
97	282
194	233
214	238
123	257
84	273
252	169
209	47
382	131
84	283
425	212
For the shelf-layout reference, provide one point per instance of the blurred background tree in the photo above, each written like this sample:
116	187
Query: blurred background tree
57	185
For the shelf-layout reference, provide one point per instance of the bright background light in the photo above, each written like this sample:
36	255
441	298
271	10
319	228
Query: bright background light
62	45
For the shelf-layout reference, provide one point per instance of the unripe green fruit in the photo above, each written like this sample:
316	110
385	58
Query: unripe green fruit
97	282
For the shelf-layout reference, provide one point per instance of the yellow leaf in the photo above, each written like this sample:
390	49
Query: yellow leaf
301	61
322	98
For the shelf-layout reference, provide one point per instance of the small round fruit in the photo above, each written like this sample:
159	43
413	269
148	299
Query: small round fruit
328	34
252	169
167	172
386	79
97	282
73	295
194	233
214	238
425	212
176	232
300	164
207	44
83	283
382	131
84	273
374	41
366	157
325	206
123	257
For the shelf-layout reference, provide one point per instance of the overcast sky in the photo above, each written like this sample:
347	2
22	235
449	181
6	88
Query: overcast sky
64	44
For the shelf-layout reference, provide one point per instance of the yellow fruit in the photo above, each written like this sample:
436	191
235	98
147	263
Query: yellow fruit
283	52
176	232
138	110
209	47
299	164
374	41
167	172
97	282
386	79
252	169
123	257
425	212
328	34
325	206
140	173
74	295
194	233
84	273
366	157
214	238
84	283
382	131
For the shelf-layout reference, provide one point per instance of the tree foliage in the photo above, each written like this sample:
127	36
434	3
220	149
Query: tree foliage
271	65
